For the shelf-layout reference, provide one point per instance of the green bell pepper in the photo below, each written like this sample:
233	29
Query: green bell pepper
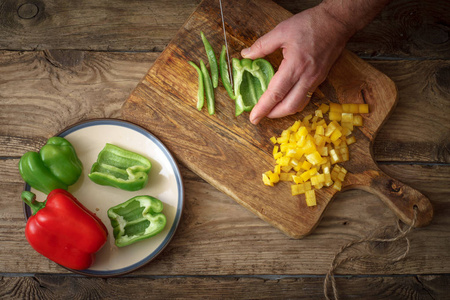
136	219
251	79
120	168
56	166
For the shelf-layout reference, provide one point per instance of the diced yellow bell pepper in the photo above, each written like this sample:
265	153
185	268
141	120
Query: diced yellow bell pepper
363	108
310	198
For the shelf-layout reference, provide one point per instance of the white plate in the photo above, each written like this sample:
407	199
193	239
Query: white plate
165	183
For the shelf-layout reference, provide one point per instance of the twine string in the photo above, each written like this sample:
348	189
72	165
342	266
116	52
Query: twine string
329	278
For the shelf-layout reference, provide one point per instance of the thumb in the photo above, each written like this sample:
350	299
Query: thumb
263	46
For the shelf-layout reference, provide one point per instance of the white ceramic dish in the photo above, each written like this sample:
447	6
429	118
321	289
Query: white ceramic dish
165	183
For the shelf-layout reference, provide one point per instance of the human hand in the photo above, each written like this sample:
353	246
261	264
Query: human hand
311	41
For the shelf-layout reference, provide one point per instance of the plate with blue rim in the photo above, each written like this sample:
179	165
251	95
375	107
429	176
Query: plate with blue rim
165	183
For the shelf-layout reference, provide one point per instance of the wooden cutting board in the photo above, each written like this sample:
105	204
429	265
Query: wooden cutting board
229	152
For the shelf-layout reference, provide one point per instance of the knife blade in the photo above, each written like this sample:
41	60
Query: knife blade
226	43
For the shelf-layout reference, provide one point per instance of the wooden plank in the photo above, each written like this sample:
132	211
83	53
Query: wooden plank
213	226
404	28
228	287
101	25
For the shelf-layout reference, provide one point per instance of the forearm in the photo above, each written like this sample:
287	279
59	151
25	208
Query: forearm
354	15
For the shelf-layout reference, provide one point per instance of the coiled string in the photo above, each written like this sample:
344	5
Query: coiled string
335	263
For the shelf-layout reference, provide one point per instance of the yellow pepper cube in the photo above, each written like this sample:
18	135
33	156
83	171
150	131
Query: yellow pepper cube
357	120
275	149
309	147
320	130
286	169
328	180
335	135
273	140
348	125
318	113
282	139
314	180
286	176
306	165
351	140
331	128
312	171
266	180
297	179
363	108
324	108
306	119
302	131
335	107
307	186
296	126
284	161
345	107
341	176
335	116
277	169
305	176
310	198
337	185
314	158
274	177
354	108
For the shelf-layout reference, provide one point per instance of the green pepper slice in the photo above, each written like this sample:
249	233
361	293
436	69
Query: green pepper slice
251	79
201	88
56	166
209	90
225	76
212	60
138	218
120	168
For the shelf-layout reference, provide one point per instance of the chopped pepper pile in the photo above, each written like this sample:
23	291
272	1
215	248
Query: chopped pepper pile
251	78
308	152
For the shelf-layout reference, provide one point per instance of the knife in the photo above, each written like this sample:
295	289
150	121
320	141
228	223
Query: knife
226	44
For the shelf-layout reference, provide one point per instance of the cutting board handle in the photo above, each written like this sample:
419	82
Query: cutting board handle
399	197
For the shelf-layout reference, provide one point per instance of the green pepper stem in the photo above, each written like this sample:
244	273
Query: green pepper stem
30	199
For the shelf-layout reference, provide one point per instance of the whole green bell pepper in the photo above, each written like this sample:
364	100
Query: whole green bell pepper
251	79
56	166
120	168
138	218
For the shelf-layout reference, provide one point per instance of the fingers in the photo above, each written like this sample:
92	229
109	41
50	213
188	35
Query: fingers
295	101
263	46
280	85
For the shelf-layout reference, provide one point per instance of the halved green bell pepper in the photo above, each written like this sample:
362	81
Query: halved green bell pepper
138	218
251	79
120	168
56	166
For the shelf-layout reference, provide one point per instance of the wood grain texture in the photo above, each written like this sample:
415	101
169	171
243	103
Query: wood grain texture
229	287
230	153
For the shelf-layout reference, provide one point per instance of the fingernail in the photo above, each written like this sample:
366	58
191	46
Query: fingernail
255	120
245	52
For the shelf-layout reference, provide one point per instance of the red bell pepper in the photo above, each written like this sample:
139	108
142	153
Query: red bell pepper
63	230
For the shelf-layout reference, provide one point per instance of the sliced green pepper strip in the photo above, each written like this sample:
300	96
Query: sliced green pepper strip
225	76
138	218
120	168
251	79
56	166
208	88
201	88
212	60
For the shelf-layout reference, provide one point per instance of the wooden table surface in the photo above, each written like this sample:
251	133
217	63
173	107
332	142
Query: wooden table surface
63	62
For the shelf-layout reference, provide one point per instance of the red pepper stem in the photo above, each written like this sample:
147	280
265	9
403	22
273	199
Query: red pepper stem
30	199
